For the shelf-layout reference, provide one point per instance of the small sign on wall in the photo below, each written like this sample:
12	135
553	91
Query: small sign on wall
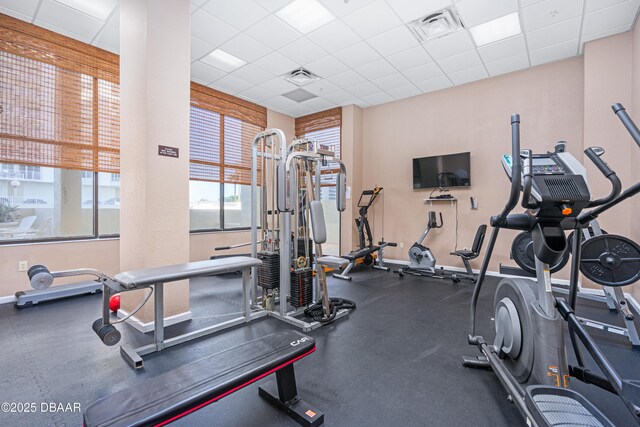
163	150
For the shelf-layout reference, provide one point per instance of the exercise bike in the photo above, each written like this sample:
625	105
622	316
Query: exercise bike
528	353
421	259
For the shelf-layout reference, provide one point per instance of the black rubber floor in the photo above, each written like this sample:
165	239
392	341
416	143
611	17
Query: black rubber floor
395	361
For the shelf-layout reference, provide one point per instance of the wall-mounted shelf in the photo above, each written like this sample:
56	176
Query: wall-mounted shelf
453	200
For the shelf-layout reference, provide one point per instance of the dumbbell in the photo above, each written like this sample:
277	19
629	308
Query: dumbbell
107	333
40	277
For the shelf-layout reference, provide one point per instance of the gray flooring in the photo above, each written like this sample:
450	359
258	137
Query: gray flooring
395	361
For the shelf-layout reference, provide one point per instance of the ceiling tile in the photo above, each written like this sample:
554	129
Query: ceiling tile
279	102
302	51
338	97
238	13
393	41
206	73
298	110
423	72
273	5
376	69
278	85
392	81
257	93
99	9
432	85
364	89
460	62
321	87
474	12
372	19
378	98
527	3
616	30
63	31
611	17
409	10
503	49
18	15
347	79
252	74
554	53
508	65
199	48
550	12
593	5
404	91
245	48
276	63
554	34
210	29
450	45
327	66
115	19
68	19
334	36
108	39
198	2
21	7
273	32
357	54
230	84
409	58
318	104
340	7
468	75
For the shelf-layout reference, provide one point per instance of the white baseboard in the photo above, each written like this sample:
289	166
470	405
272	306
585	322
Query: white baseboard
8	300
148	326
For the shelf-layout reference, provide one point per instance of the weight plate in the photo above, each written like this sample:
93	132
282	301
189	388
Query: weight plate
522	252
570	237
611	260
368	260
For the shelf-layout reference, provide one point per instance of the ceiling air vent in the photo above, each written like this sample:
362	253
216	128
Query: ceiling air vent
436	25
300	76
299	95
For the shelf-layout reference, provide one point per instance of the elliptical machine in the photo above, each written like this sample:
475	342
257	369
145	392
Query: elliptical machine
421	259
528	353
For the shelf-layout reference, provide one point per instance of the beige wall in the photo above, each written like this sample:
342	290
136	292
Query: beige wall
634	204
474	117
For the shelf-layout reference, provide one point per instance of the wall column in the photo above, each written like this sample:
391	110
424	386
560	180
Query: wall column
351	152
154	111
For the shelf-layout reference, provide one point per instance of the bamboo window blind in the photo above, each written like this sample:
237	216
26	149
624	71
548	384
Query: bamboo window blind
324	127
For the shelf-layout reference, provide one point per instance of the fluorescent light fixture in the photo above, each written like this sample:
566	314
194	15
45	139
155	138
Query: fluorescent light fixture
223	60
305	15
498	29
100	9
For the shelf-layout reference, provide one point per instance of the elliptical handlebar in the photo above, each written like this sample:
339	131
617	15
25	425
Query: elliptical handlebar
516	179
527	182
622	114
616	184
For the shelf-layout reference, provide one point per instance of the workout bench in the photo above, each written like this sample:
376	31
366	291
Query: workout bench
168	397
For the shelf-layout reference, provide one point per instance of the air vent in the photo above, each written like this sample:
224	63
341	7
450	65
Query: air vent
299	95
563	189
301	76
436	25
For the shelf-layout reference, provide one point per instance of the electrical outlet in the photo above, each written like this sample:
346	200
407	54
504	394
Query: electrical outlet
23	265
401	245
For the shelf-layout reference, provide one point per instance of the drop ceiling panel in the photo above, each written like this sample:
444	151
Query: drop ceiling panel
468	75
199	48
423	72
364	89
393	41
357	55
474	12
303	51
378	98
459	62
409	58
24	8
278	85
276	64
240	14
206	73
257	93
550	12
606	33
211	29
610	17
554	53
322	87
63	31
372	19
376	69
409	10
503	49
508	65
392	81
404	91
15	14
327	66
338	97
109	39
434	84
273	32
450	45
318	104
231	84
554	34
244	47
253	74
70	20
347	79
592	5
334	36
341	8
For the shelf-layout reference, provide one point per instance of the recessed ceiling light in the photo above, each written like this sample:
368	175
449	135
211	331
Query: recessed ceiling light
498	29
223	60
305	15
99	9
435	25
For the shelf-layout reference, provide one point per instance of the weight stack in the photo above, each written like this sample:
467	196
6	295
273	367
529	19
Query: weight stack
269	271
301	287
301	243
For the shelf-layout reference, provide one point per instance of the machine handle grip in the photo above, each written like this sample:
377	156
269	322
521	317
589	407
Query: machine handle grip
521	221
527	183
622	114
597	160
516	168
616	185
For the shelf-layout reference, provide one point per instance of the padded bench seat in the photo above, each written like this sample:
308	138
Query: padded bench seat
172	395
332	261
171	273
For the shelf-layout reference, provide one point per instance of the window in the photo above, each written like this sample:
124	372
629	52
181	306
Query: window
222	129
325	127
59	136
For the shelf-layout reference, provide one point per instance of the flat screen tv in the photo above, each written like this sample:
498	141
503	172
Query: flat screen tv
451	170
